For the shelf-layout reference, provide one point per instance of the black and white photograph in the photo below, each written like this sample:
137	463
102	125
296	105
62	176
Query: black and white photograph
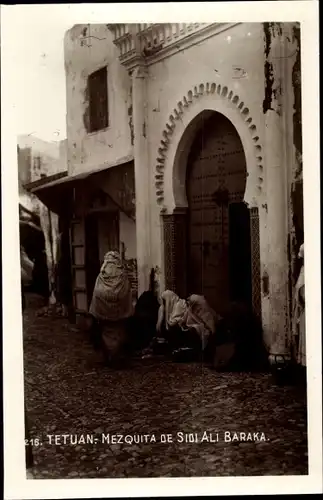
160	246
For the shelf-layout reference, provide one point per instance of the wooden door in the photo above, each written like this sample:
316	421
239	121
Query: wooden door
108	233
77	243
92	258
65	264
216	176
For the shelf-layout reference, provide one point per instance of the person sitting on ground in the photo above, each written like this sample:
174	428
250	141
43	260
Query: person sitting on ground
111	307
171	317
185	323
201	318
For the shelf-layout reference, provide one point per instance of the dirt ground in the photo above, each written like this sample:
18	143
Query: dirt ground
69	391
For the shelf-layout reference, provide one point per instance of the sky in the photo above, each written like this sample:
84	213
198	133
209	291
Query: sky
38	54
35	47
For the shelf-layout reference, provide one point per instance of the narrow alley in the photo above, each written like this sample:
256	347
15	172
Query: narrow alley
69	391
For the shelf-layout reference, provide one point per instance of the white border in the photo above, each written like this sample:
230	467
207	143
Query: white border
16	486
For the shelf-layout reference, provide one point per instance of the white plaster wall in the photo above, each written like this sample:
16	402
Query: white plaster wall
128	236
233	58
213	60
87	49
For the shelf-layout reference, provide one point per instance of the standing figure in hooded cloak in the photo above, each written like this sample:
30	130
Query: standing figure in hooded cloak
111	306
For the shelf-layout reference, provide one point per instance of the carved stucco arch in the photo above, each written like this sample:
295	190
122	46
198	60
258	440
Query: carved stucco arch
180	131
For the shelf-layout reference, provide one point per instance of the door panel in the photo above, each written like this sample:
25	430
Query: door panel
108	231
102	235
77	231
92	253
78	255
216	177
64	264
80	277
81	303
77	239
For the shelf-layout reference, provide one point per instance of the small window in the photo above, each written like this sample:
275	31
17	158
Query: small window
98	95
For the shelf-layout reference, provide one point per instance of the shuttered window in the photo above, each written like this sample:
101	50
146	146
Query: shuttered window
98	96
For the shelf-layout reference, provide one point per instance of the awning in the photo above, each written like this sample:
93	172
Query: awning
81	176
57	194
44	181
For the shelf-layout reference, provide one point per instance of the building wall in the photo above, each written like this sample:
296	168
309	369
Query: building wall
233	71
87	49
236	60
233	58
100	196
37	158
128	236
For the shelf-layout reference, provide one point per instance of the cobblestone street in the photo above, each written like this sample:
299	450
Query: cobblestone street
70	391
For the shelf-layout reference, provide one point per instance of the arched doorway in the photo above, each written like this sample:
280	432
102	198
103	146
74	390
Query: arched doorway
218	220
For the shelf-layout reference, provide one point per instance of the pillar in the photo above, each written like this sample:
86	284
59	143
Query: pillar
276	183
175	251
255	261
142	175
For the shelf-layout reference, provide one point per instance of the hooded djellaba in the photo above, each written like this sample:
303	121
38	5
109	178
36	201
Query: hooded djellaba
186	324
111	307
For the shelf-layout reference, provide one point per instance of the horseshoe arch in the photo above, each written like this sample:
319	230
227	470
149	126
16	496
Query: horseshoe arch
170	176
179	133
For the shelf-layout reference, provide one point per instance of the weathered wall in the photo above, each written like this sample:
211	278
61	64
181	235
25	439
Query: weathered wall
296	188
87	49
52	159
37	158
248	59
232	58
128	236
281	56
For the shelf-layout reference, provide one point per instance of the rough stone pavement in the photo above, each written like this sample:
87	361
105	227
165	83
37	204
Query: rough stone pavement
70	391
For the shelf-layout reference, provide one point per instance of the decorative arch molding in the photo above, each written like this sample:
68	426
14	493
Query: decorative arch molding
183	106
